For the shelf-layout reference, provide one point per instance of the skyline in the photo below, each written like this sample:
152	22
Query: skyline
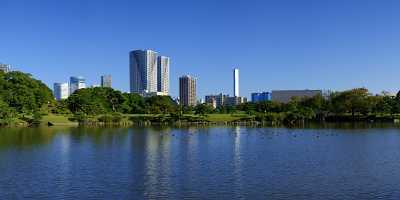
275	45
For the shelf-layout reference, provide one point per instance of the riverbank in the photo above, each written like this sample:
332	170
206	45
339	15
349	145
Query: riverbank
126	120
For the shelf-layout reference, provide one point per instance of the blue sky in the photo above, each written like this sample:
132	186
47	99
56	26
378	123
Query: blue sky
282	44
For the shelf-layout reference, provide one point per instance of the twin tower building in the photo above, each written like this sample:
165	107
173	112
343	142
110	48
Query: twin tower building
149	73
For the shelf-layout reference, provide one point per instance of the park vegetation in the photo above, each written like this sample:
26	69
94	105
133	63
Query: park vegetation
25	100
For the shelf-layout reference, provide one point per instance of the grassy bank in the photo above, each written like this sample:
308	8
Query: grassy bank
155	119
67	120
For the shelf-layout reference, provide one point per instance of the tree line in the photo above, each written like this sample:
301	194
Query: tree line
25	98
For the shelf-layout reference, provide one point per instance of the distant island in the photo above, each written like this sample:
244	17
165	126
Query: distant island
25	101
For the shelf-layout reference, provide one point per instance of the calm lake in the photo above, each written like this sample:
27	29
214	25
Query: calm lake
200	163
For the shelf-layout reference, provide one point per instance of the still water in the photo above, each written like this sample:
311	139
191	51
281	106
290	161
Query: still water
200	163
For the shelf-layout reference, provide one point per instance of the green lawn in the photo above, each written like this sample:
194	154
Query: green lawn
58	120
61	120
224	117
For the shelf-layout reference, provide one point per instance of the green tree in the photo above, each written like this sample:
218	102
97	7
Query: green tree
133	104
203	109
160	105
94	101
7	114
23	93
352	101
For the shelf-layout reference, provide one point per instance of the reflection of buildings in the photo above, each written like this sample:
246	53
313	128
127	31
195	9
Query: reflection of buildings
284	96
157	163
237	161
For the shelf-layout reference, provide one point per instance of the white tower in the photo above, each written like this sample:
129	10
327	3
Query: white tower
236	82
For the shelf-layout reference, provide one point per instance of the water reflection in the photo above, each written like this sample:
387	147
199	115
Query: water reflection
237	163
199	163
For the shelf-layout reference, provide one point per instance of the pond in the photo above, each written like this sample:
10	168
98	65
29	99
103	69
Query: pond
200	163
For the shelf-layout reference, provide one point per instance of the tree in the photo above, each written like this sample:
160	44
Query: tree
7	114
94	101
160	105
268	106
203	109
351	101
23	93
133	104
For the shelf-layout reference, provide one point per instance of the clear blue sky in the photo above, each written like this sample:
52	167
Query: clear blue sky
282	44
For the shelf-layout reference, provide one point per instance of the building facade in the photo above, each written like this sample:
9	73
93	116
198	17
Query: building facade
187	90
163	74
143	71
5	68
220	99
61	91
236	82
106	81
76	83
258	97
211	101
234	101
284	96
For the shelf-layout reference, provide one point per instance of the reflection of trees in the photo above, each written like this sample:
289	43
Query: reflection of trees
99	136
25	137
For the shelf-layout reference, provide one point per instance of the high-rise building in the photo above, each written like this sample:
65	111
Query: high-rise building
236	82
106	81
5	68
187	90
61	91
263	96
143	71
163	74
76	83
284	96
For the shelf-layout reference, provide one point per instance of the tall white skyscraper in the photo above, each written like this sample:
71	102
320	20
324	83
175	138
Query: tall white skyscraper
61	91
76	83
143	71
236	82
163	74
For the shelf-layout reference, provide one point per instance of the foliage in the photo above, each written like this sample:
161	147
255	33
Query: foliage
23	93
133	104
160	105
7	114
94	101
203	109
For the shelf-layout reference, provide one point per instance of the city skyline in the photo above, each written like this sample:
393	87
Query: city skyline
274	48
